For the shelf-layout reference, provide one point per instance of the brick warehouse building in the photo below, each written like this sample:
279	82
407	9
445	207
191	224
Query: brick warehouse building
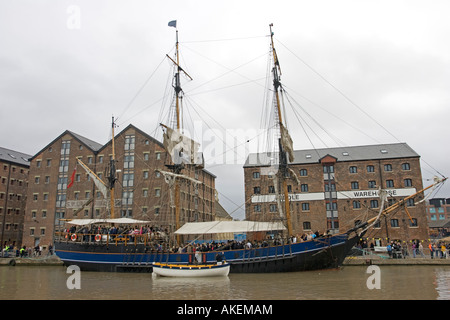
338	187
14	167
140	192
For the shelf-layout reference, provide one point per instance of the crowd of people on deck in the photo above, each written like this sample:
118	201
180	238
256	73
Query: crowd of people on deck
157	238
89	233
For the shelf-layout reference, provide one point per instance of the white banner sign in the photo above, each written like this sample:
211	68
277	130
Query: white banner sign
375	193
341	195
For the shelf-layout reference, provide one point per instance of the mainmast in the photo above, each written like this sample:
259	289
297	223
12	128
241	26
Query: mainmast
178	165
283	134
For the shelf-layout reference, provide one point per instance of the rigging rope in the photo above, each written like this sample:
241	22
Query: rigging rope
225	39
339	91
141	88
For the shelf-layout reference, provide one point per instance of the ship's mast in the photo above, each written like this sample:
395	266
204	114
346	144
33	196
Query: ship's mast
103	186
283	158
177	167
112	171
177	182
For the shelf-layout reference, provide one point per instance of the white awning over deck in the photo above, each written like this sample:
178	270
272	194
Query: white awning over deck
228	227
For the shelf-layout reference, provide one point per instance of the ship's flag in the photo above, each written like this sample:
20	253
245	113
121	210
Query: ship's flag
72	178
173	23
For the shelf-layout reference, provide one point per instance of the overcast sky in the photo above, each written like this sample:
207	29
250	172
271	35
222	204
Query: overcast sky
368	71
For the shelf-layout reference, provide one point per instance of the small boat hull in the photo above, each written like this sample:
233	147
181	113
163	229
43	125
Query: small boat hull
183	270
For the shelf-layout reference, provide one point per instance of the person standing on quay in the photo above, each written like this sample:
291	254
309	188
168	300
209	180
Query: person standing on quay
421	250
430	246
444	251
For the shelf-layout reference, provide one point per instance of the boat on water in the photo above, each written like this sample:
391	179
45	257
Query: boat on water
191	270
279	251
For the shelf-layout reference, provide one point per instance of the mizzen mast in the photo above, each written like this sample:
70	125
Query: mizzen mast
99	183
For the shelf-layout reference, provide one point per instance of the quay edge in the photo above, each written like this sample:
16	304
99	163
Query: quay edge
376	260
348	261
46	261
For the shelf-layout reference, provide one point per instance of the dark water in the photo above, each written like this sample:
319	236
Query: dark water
396	282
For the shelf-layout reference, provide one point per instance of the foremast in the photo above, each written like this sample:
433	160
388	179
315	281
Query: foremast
285	142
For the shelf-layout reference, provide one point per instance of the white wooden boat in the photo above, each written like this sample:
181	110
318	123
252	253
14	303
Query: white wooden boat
190	270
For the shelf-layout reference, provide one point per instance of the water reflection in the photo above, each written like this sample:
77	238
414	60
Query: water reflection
191	288
442	283
397	282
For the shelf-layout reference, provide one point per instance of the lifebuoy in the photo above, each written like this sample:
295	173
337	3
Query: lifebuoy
73	237
97	237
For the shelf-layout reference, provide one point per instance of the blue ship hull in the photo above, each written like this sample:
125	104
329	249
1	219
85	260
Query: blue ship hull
320	253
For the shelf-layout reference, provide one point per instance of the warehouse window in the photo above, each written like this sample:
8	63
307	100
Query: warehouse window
413	223
406	166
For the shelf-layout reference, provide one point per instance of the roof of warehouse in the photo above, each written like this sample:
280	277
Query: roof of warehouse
14	157
355	153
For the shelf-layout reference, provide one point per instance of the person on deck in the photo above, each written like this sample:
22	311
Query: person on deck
219	257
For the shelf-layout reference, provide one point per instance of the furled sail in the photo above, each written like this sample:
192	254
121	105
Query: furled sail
182	149
286	142
101	186
170	178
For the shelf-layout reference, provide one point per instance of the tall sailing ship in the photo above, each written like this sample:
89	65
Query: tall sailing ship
106	251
